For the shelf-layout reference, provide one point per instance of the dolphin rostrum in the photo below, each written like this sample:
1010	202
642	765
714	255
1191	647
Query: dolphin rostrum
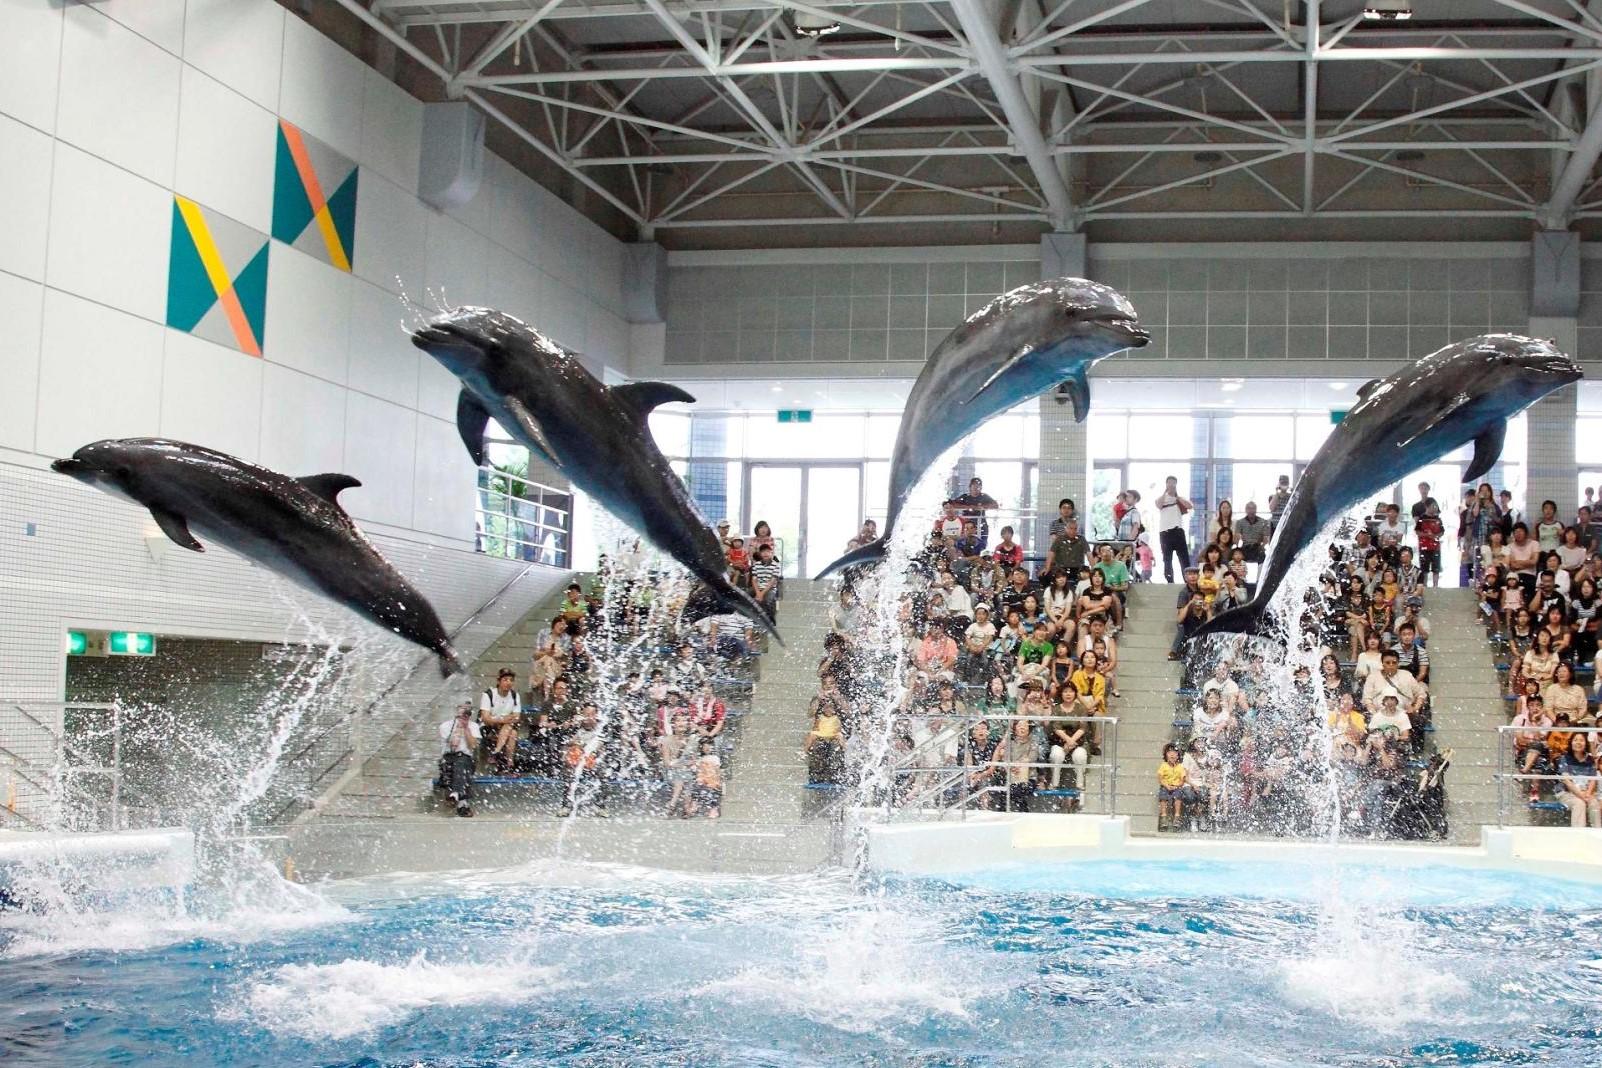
596	435
293	526
1465	392
1019	345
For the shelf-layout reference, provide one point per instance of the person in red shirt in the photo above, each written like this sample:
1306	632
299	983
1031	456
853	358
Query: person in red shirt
1430	529
707	714
1008	552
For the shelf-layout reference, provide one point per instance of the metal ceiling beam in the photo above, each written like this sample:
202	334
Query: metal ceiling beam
985	43
1556	213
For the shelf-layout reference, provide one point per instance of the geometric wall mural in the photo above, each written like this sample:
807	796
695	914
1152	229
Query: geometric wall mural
217	278
314	197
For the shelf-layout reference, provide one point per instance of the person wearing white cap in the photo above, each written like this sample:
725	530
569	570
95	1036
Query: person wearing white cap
723	533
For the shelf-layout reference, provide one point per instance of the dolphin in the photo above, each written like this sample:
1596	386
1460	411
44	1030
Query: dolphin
596	435
1019	345
1464	392
293	526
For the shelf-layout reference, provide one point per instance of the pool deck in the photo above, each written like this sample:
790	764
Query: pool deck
983	840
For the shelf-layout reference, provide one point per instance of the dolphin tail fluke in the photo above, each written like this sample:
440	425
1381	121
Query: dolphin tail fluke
1249	619
449	663
870	553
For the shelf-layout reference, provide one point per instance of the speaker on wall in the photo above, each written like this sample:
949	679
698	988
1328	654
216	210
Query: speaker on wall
451	166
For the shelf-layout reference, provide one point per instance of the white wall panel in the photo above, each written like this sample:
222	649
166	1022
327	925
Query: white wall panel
119	94
30	49
515	287
380	449
238	42
321	88
383	360
437	389
308	314
159	21
109	234
391	236
226	147
392	130
446	480
211	395
456	271
99	375
302	422
24	192
22	311
566	315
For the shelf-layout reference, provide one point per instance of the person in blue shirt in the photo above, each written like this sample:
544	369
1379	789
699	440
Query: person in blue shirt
1577	788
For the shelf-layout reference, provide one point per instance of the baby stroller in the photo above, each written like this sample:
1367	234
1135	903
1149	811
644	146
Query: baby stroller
1420	810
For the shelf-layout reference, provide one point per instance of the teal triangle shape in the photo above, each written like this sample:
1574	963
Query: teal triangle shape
251	287
189	292
292	210
342	209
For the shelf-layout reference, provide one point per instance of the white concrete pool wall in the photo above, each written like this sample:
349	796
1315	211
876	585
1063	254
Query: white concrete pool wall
114	860
986	840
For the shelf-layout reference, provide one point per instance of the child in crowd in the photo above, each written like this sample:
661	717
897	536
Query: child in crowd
1171	793
707	796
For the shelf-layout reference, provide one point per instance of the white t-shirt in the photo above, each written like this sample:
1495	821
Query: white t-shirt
1390	533
958	603
1381	720
467	742
1168	514
500	704
1228	689
1206	723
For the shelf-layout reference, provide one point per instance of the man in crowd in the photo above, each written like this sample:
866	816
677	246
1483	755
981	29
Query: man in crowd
1069	550
553	725
1422	505
1278	500
1116	574
460	737
1171	512
1412	696
1251	534
973	505
498	711
1065	515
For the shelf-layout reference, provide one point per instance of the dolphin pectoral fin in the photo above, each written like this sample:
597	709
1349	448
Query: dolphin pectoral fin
328	486
1078	388
1487	450
176	527
471	419
532	433
1440	417
641	397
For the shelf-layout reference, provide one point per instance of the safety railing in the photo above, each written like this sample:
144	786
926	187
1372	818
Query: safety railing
1511	778
924	778
520	519
61	764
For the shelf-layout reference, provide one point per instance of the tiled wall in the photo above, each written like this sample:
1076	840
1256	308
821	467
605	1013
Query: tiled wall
107	111
1390	309
829	313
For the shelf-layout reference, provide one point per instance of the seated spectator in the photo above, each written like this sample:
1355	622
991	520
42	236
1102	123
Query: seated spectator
1007	552
1060	605
936	653
1115	577
1577	788
499	710
1212	719
1096	639
977	755
708	715
824	747
1228	689
575	608
550	657
1171	793
739	562
1529	741
1068	739
1069	552
707	795
684	671
996	702
1204	777
460	737
1410	653
1091	687
1369	659
580	759
1033	656
1018	756
677	753
1097	600
1390	718
969	545
766	573
974	659
1540	662
552	725
1412	696
1251	534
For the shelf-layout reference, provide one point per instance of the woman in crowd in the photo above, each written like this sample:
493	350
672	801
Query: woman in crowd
824	746
1523	553
1585	613
1018	757
1060	602
1563	694
1577	789
1540	662
1097	598
1222	520
1369	659
1555	622
550	658
1209	576
1068	739
1480	516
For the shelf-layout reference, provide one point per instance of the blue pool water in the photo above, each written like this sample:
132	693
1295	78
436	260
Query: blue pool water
1089	964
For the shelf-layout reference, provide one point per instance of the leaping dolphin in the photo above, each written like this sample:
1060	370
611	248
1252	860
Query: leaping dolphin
1019	345
595	435
1465	392
293	526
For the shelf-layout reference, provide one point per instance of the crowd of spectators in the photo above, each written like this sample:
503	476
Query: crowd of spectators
995	668
649	721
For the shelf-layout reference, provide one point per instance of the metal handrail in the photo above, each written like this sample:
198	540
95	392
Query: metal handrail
1502	776
517	525
65	752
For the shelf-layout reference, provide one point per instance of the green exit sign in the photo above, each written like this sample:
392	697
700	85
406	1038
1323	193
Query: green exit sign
1336	417
77	643
796	415
130	643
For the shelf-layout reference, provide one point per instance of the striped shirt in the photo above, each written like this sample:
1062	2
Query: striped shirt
766	574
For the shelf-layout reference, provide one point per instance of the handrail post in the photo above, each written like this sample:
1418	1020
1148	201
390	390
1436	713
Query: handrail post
1501	780
116	766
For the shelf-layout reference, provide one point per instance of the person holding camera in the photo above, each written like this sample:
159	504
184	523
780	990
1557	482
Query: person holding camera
460	737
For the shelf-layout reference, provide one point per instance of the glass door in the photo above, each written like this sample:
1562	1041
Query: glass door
774	497
1106	483
813	510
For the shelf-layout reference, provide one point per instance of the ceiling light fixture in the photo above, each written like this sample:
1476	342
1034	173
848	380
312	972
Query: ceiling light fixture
1207	156
1387	11
810	25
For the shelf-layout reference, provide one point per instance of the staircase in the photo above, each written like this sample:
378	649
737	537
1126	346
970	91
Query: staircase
1468	707
768	783
1147	680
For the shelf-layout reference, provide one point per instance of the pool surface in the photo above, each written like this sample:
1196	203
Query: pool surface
1097	963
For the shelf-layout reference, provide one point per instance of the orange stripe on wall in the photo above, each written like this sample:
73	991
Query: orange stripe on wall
314	193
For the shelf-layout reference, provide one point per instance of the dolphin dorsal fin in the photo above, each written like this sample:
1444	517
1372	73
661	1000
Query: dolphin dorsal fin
642	397
1366	388
328	486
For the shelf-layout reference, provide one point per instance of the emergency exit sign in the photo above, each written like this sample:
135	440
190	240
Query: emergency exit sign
1335	417
130	643
795	415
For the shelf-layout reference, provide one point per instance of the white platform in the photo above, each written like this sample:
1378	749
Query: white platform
123	859
986	840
